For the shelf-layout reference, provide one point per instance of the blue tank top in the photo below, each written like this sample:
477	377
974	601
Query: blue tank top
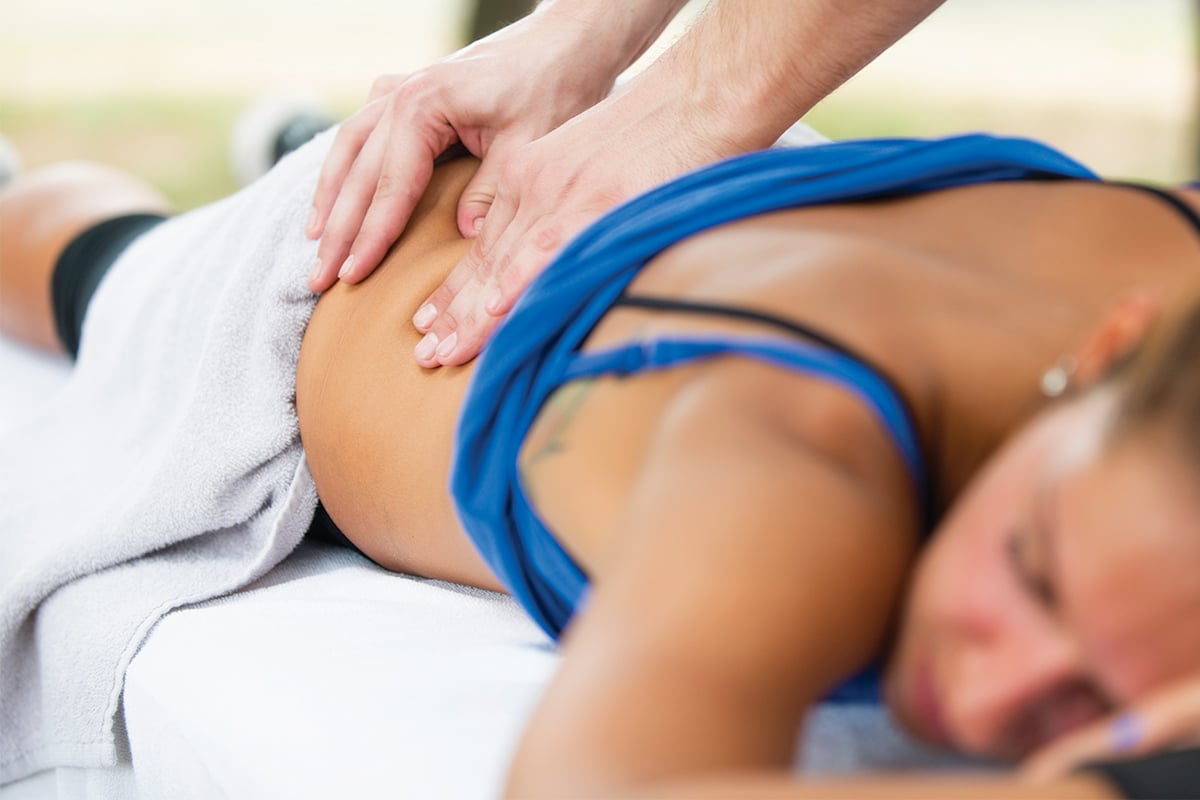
537	349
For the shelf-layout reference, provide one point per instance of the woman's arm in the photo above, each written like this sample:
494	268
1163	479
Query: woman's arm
1151	749
893	787
1168	717
751	572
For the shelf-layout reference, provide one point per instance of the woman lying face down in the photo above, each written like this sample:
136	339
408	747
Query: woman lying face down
723	539
747	532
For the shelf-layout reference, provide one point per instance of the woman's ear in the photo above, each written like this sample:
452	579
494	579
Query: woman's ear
1120	331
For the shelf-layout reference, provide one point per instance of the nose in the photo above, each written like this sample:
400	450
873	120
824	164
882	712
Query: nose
1006	697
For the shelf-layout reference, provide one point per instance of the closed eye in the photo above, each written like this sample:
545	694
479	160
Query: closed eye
1029	573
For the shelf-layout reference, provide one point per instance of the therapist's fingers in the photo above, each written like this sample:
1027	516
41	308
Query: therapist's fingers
480	193
451	314
523	253
384	185
470	273
352	135
464	342
347	144
400	186
496	279
349	209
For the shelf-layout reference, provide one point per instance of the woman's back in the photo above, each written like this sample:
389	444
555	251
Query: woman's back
376	427
963	297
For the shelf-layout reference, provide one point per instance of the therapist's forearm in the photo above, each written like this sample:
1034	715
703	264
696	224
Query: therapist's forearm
619	31
748	69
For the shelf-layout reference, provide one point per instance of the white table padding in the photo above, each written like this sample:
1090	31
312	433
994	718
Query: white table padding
335	677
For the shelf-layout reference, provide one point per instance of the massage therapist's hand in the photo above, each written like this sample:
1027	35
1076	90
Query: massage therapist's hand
549	191
1166	718
740	76
493	96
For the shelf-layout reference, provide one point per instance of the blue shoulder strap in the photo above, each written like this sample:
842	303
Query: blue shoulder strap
856	377
529	354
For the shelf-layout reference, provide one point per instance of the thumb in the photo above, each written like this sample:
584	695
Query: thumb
476	200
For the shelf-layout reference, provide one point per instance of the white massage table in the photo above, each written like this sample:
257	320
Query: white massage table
333	678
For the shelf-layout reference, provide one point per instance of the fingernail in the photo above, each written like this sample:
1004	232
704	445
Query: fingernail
316	272
477	224
347	265
425	316
493	302
426	347
447	347
311	225
1126	732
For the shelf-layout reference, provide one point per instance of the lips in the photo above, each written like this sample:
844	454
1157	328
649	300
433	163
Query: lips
927	708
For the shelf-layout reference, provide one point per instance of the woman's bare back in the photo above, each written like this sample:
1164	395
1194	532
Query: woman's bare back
963	296
376	427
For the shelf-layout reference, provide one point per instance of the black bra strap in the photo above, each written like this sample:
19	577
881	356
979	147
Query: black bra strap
1170	198
738	312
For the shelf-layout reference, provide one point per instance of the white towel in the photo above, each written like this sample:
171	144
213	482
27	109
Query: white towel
168	471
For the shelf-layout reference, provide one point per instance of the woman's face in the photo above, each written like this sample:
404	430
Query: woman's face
1064	583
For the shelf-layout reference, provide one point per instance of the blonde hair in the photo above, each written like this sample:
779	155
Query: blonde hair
1159	382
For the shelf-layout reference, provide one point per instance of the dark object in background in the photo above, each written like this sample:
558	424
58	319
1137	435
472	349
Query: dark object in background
492	15
270	127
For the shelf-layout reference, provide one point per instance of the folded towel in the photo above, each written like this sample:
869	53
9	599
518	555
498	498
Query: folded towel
168	471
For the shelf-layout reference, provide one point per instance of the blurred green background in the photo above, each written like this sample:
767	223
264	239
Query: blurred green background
155	85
